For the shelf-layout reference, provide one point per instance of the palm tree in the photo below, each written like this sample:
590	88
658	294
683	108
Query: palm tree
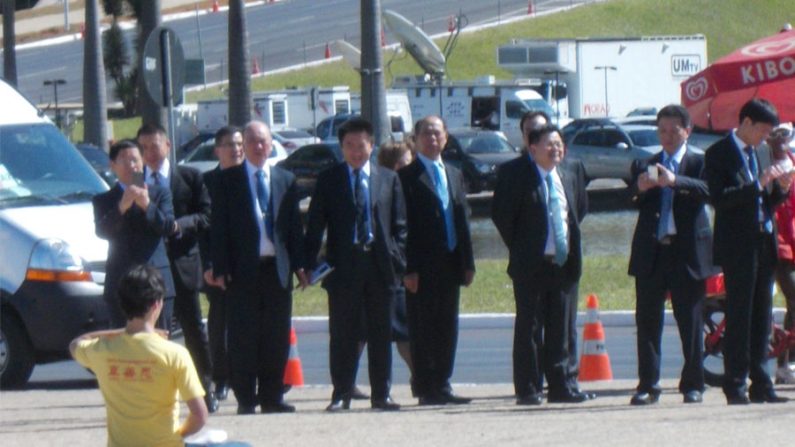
95	117
239	80
9	43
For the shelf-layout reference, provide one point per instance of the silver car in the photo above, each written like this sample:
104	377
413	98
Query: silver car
607	151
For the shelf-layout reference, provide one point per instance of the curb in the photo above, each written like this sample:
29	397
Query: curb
615	318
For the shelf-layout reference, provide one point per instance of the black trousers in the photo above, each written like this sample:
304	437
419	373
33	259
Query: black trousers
188	312
433	327
687	300
749	280
216	332
542	306
365	295
258	334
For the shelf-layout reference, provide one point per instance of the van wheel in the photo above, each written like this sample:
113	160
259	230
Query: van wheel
16	353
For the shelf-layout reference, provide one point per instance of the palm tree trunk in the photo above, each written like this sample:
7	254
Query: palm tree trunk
95	115
150	18
9	43
239	78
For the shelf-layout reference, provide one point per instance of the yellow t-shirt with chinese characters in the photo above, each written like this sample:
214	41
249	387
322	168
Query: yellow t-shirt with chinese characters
142	378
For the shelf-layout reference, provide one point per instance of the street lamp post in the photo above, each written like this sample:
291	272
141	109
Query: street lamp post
55	83
605	68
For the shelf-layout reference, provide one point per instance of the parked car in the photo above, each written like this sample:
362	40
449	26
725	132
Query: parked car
52	264
327	129
203	157
569	130
608	150
478	153
292	139
192	144
309	161
99	160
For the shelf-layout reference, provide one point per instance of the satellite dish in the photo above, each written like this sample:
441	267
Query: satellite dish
349	53
416	42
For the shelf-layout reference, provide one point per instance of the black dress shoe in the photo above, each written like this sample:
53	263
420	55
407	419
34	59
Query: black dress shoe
339	405
357	394
568	397
386	404
277	407
246	409
693	397
588	394
211	401
739	399
769	396
644	398
432	399
221	390
450	398
530	399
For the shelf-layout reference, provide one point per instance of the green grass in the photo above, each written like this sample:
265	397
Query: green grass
728	24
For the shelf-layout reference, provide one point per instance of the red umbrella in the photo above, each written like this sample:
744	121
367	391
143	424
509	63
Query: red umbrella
763	69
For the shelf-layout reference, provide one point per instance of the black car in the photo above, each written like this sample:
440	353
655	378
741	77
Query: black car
99	160
309	161
478	153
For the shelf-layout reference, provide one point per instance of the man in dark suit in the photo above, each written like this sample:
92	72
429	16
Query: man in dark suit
360	205
229	150
537	208
134	218
745	246
438	261
256	245
671	251
192	217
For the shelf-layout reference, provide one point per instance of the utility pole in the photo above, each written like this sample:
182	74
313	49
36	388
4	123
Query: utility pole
372	71
55	83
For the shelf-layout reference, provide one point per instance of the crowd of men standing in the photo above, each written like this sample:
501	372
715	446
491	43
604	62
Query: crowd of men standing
238	231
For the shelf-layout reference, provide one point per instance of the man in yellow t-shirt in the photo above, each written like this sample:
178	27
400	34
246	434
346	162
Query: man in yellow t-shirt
142	375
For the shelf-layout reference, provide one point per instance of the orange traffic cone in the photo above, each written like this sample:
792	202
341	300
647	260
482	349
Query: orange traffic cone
531	7
451	24
215	7
327	53
594	362
255	66
293	373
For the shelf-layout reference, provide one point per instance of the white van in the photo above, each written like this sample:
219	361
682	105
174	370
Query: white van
51	262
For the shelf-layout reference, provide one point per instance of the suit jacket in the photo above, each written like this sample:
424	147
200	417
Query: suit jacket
519	211
693	242
212	180
426	225
332	208
135	237
192	212
735	195
234	233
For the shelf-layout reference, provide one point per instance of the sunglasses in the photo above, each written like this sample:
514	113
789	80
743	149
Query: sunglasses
781	133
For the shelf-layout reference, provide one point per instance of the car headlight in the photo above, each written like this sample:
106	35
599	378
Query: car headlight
54	260
484	168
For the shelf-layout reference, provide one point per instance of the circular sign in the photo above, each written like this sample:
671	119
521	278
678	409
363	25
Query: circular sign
163	50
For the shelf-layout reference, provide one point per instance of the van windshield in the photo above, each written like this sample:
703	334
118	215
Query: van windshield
39	166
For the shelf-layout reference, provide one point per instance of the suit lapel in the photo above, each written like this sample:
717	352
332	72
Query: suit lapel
278	187
425	177
375	185
568	190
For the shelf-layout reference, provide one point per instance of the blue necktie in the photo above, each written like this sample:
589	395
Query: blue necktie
561	244
447	210
360	199
666	202
263	197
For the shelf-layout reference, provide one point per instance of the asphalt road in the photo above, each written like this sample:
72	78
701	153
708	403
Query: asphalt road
281	34
483	357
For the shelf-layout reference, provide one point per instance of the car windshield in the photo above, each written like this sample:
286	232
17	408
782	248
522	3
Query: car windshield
38	165
205	152
645	137
539	104
484	144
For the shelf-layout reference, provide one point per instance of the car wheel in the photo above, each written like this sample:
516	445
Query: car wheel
16	353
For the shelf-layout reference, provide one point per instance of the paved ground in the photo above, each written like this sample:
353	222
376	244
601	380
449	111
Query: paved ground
76	417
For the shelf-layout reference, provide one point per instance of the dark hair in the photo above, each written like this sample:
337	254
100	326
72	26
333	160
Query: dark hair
225	132
759	110
675	111
355	125
422	122
120	146
537	134
139	289
532	115
151	129
390	153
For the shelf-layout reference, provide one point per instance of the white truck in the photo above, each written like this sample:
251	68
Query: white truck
609	76
280	109
398	109
485	102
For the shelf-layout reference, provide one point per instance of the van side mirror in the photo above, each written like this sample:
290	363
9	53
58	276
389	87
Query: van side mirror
623	146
